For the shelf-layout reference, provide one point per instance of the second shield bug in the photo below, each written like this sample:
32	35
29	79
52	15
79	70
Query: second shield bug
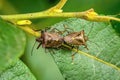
76	39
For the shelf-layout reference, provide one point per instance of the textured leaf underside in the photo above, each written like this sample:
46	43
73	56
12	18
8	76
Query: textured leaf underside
103	43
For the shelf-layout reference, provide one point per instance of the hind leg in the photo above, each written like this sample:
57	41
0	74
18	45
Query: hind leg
73	54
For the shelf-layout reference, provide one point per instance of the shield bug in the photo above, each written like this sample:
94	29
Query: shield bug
49	40
52	39
76	39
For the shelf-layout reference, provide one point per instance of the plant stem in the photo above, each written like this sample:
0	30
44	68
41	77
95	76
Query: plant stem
30	31
57	12
58	6
82	15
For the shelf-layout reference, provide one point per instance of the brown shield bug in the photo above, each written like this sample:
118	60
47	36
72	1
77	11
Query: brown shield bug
76	38
49	40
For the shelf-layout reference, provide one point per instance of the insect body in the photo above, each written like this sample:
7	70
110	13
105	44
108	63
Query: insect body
49	40
55	40
76	39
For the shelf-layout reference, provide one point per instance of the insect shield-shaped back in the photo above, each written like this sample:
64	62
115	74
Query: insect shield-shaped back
76	39
50	40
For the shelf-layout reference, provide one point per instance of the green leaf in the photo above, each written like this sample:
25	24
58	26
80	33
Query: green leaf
12	44
100	62
18	71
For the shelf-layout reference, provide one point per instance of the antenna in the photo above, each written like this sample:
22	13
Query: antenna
33	47
90	29
90	32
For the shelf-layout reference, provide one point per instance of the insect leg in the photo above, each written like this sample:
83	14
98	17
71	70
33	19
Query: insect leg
33	48
39	45
58	31
50	50
86	46
73	54
66	29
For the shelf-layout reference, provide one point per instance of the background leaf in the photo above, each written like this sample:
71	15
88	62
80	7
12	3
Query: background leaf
27	6
12	44
18	71
40	62
116	24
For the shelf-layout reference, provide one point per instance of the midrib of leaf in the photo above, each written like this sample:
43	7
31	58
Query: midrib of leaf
113	39
97	59
93	57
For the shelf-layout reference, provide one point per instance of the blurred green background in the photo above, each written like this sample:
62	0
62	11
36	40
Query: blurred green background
106	7
40	63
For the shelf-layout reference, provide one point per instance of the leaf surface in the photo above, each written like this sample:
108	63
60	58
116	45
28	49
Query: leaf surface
17	71
100	62
12	44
